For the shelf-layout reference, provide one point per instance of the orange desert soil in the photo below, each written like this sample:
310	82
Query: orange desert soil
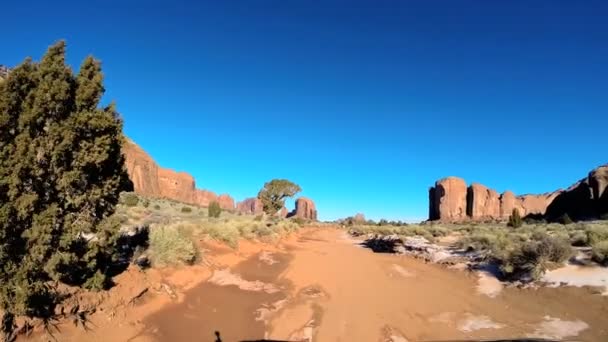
320	285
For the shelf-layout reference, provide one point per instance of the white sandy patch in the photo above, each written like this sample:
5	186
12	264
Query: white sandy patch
575	275
555	328
402	271
474	323
226	278
488	285
266	257
264	313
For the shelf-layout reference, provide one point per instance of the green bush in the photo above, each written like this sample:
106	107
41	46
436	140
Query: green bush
130	199
156	207
61	173
186	210
214	209
530	259
599	252
565	219
515	219
171	245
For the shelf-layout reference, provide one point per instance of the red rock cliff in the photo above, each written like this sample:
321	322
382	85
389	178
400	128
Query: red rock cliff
451	201
151	180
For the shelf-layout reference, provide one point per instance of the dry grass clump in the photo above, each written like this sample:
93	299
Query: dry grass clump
171	245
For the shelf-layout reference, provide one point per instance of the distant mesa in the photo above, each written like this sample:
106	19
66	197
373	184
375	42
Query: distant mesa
151	180
450	200
252	206
305	209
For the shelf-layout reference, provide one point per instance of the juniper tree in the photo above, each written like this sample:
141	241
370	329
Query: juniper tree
61	172
275	192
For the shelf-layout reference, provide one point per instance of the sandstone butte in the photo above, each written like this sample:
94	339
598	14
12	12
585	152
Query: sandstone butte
149	179
450	200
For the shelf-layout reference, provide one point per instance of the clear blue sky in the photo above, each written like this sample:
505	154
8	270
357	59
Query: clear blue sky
364	104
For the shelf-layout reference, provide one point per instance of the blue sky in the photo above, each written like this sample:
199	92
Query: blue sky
364	104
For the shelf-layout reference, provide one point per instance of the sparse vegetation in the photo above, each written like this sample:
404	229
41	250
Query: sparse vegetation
129	199
600	252
274	193
214	209
171	245
515	219
186	209
565	219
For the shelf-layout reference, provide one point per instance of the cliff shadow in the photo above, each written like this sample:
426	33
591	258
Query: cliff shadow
382	244
577	203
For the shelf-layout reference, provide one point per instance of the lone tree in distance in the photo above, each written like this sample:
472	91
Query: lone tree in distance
274	193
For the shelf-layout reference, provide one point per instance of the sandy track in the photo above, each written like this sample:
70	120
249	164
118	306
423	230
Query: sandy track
321	284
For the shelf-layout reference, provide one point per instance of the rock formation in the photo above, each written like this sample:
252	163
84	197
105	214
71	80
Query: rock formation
451	201
305	209
251	206
448	200
482	203
151	180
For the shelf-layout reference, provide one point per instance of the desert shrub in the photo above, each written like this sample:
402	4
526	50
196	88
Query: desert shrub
171	245
597	234
226	232
515	219
604	216
530	259
258	218
61	172
130	199
186	209
214	209
145	202
579	238
262	230
156	207
599	252
298	220
565	219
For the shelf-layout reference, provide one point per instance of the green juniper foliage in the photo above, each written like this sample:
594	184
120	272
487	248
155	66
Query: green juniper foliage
61	172
275	192
515	220
214	209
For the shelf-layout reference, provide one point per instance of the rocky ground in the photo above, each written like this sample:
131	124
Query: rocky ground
321	284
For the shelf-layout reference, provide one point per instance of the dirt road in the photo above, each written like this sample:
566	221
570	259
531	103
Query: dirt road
330	289
322	285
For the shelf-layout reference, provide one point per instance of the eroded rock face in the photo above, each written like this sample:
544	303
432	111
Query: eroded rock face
586	199
142	170
482	203
305	208
251	206
151	180
226	202
176	185
448	200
